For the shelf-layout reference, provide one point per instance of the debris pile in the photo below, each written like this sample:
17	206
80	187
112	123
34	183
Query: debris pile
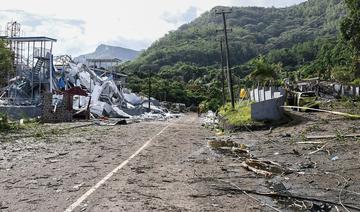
210	120
87	89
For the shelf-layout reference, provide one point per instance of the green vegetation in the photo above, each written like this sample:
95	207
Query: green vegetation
5	63
7	126
183	83
4	124
350	28
266	45
264	71
241	115
255	31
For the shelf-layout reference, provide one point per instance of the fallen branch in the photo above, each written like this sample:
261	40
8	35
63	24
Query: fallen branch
325	111
207	195
257	171
282	195
262	203
311	142
318	150
331	136
344	186
264	167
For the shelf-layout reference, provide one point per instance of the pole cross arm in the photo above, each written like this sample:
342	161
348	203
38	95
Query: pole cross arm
151	67
222	30
219	12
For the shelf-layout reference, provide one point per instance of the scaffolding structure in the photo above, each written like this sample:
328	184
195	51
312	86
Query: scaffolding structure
106	67
13	29
103	63
33	65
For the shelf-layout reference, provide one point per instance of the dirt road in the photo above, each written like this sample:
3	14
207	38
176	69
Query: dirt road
162	166
51	171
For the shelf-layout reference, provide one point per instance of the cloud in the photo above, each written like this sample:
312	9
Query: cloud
181	17
80	26
68	31
34	20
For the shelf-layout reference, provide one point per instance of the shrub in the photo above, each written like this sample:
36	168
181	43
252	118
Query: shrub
240	115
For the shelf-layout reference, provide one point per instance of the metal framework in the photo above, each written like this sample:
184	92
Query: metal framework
107	66
104	63
32	61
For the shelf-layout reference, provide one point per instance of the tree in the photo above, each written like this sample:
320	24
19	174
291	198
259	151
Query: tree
5	63
350	28
264	71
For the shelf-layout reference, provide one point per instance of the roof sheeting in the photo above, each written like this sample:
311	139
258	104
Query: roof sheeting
29	39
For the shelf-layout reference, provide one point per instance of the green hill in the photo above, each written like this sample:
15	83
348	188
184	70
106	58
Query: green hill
300	38
255	30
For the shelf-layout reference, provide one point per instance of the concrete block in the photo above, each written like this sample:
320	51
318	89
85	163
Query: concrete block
269	110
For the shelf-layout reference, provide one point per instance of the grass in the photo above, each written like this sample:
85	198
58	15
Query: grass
240	115
4	123
7	126
345	104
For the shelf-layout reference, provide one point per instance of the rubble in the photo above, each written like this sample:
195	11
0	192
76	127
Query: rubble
102	95
210	120
58	88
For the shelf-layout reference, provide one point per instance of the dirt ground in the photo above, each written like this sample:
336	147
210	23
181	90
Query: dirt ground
49	167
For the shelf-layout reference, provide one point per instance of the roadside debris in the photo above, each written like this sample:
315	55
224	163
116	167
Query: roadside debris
324	204
303	100
310	137
325	111
318	150
210	120
226	146
265	167
334	158
110	122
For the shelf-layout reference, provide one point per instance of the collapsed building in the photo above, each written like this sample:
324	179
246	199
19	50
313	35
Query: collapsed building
90	89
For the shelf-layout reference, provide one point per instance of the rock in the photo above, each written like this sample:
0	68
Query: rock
77	187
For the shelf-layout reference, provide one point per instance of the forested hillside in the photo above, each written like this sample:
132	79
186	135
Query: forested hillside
302	40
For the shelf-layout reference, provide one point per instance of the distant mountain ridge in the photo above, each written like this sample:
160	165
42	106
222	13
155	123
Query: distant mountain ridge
109	52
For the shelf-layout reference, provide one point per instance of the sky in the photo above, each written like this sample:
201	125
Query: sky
81	25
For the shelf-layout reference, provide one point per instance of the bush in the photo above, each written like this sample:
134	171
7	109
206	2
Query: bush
240	115
4	124
342	74
211	104
356	82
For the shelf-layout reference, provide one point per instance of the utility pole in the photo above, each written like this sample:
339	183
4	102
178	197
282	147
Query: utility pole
149	68
229	75
222	72
149	88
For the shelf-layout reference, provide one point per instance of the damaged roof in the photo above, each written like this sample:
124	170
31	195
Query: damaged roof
29	39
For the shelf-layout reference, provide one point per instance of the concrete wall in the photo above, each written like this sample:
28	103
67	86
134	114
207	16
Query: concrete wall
62	113
18	112
347	90
268	110
265	93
